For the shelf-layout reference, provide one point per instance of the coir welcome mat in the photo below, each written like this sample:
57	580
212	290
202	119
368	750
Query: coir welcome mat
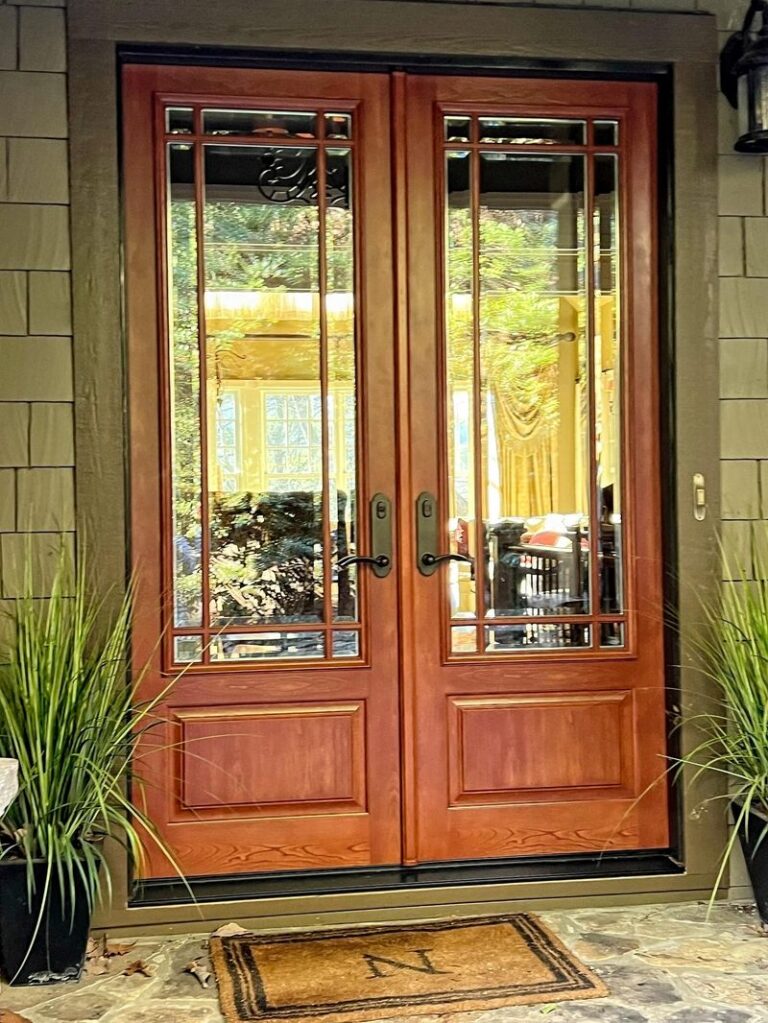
374	973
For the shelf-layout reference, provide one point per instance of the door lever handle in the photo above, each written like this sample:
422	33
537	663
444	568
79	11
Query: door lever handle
380	512
380	561
429	560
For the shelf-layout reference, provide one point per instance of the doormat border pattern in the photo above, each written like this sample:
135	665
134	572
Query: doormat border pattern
243	996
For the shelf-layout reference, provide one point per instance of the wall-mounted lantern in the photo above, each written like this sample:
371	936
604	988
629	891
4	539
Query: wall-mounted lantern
744	79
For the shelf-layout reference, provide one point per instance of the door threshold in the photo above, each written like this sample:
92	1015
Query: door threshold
173	891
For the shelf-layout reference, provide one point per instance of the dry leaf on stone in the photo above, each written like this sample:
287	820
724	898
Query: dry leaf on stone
96	966
199	970
137	966
6	1016
95	948
113	948
226	930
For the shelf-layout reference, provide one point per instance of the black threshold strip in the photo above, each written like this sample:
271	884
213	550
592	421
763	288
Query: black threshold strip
172	891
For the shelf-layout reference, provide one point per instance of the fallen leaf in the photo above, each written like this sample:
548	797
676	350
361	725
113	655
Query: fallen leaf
94	948
6	1016
137	966
226	930
546	1009
96	966
199	970
115	949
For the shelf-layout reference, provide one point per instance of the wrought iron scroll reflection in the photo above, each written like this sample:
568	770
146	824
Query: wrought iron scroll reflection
290	176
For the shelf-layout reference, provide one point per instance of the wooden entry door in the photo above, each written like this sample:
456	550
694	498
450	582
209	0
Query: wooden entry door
537	683
259	288
373	322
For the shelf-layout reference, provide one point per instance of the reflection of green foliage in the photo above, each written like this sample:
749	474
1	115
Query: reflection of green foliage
521	272
249	248
526	286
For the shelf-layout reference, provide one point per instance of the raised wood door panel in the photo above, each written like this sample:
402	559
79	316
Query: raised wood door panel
261	382
538	676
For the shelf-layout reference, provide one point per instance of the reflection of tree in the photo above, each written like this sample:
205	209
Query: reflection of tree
263	551
261	566
521	311
186	413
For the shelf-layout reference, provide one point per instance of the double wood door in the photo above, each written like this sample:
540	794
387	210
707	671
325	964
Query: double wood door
396	517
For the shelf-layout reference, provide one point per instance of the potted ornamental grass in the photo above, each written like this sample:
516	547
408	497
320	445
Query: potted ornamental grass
72	721
732	740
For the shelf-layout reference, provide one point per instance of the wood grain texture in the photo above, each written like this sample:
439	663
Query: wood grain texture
524	775
347	762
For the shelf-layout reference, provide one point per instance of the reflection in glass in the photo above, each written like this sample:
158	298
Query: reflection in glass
607	384
346	644
457	129
534	385
612	634
463	639
531	131
184	369
188	649
606	133
179	120
501	639
342	407
265	123
460	373
257	645
263	372
338	126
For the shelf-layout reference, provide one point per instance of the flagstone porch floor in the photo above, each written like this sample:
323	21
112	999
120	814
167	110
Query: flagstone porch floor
662	964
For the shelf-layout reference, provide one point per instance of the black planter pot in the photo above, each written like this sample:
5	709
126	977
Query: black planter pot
58	950
756	856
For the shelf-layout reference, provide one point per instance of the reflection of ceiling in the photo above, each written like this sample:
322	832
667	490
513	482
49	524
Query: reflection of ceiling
268	309
274	335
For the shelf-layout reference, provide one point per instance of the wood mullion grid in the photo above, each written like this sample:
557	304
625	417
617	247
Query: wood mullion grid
322	207
202	347
477	391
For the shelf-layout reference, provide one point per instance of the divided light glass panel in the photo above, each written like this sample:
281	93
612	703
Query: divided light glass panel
258	402
517	337
607	373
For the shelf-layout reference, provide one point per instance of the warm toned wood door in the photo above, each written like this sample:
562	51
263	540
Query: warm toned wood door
457	314
536	678
261	368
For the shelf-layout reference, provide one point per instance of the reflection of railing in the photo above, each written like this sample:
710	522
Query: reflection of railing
537	580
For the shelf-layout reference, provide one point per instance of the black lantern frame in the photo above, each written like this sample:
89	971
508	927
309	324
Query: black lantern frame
744	79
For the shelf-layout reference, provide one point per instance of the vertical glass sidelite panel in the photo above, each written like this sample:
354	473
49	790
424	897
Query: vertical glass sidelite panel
263	405
184	372
534	388
460	372
607	374
342	405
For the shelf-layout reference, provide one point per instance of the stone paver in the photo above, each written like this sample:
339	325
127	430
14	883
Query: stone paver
662	964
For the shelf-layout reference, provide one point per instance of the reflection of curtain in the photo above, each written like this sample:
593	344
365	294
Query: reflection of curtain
522	442
529	475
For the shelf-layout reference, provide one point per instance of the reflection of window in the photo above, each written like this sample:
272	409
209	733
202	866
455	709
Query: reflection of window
228	457
293	440
293	449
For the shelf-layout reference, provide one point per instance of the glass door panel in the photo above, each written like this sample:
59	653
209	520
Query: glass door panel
532	403
262	354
